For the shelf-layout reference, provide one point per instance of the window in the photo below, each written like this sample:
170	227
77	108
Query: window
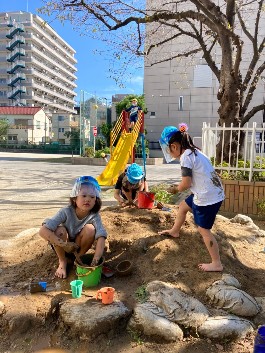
181	101
61	129
60	118
37	124
12	137
152	115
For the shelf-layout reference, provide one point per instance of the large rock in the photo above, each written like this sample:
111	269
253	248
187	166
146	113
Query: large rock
89	318
232	299
260	318
152	321
225	327
249	224
228	280
179	307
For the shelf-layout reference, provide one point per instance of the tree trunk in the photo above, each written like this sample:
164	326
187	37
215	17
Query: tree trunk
229	114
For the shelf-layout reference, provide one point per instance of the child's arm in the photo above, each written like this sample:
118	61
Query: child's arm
185	184
50	236
99	251
118	198
146	187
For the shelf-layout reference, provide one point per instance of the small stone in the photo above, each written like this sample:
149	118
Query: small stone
218	346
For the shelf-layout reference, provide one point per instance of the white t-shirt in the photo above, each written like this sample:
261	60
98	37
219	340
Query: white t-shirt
206	185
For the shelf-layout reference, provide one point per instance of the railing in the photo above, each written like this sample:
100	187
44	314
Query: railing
115	132
14	53
120	127
19	76
14	41
248	160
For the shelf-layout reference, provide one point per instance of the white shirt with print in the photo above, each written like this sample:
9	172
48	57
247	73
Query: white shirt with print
206	185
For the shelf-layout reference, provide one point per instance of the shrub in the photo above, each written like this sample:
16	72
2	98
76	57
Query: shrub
105	150
89	152
261	207
161	194
241	174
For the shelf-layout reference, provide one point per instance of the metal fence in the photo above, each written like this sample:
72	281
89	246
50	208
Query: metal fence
249	161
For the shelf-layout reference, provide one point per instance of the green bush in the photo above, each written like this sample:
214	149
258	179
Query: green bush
161	194
261	207
241	174
89	152
105	150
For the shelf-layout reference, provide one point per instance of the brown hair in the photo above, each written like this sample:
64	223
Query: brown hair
96	207
185	141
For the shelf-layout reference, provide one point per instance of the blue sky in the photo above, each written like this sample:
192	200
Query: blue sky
93	69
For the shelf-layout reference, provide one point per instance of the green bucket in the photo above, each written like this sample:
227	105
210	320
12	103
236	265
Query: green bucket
90	276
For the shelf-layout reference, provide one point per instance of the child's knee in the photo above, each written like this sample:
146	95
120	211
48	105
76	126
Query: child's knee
88	231
61	233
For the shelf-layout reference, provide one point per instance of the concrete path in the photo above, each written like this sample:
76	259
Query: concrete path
34	187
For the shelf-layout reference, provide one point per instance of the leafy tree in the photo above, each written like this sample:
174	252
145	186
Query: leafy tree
74	136
105	130
4	124
219	33
127	102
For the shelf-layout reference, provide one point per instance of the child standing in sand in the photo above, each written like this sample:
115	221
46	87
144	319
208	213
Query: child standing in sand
199	176
76	227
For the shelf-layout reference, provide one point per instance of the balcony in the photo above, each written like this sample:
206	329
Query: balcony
52	93
16	28
55	42
17	52
16	65
53	81
51	71
15	91
51	51
16	40
17	77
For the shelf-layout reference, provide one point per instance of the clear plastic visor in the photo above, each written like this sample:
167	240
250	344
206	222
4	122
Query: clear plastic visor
166	152
87	189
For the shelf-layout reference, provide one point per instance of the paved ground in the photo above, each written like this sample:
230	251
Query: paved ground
35	186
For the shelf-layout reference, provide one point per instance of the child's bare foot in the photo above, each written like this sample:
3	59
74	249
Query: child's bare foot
212	267
61	270
169	233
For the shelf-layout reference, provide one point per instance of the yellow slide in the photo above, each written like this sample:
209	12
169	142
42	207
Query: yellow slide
120	156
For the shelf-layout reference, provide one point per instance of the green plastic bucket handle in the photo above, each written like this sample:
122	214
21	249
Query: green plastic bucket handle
84	274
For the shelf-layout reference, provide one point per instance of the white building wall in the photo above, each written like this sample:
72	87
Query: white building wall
166	82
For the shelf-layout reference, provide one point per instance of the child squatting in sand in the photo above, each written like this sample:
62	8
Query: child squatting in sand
199	176
76	227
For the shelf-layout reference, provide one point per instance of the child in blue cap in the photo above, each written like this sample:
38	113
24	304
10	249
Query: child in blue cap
77	226
129	184
199	176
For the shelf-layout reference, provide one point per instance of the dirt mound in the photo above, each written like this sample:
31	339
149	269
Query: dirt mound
133	235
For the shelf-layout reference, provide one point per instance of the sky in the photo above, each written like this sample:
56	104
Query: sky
93	69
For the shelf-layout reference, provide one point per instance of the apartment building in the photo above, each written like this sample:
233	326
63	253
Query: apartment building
185	90
37	67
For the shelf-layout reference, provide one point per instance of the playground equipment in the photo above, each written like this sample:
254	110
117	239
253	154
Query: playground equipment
122	148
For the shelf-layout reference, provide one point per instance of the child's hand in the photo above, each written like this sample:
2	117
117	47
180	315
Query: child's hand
70	247
173	189
94	262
